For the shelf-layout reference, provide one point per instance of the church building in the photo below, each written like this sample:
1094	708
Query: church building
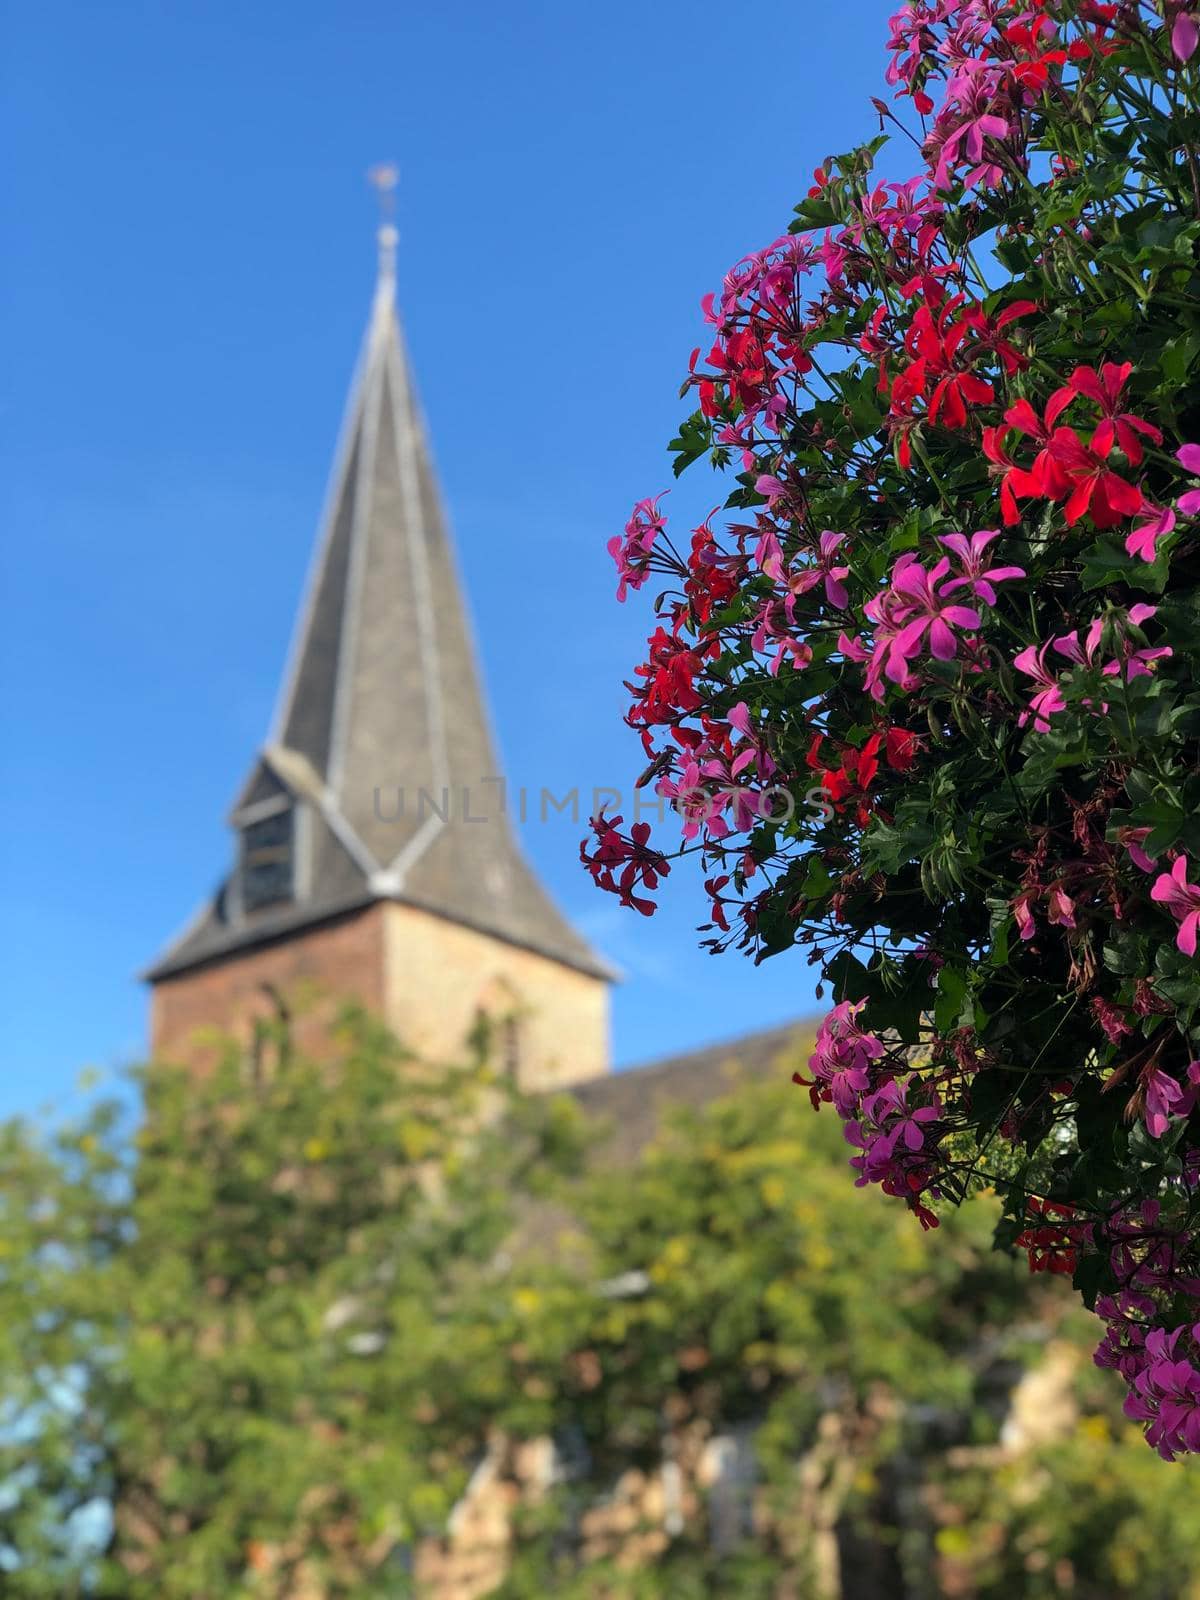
372	856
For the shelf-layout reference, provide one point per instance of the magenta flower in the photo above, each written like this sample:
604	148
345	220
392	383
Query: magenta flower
1133	839
969	115
1166	1395
908	1125
1166	1098
808	578
771	487
1143	541
1062	908
1182	900
930	611
973	568
1185	35
852	649
1188	456
1049	698
632	552
913	608
841	1062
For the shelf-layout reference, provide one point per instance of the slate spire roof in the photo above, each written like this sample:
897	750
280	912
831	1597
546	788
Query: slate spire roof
382	700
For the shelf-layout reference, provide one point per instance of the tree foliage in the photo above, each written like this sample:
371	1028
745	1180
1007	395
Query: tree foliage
275	1325
925	697
264	1330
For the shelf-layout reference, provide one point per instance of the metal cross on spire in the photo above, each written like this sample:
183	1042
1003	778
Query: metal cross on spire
383	178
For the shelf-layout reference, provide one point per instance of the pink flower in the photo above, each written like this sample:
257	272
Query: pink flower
773	627
913	607
975	573
852	649
1135	663
632	553
1185	35
1188	456
1182	900
1167	1098
1083	655
1133	839
808	578
768	553
1062	908
1143	541
1049	698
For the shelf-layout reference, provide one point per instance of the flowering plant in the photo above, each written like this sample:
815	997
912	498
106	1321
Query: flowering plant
923	694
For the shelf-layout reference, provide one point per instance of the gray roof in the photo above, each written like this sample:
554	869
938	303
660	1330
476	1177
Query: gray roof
627	1109
381	727
630	1104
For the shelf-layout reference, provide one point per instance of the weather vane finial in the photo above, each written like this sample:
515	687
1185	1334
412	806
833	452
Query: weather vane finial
383	178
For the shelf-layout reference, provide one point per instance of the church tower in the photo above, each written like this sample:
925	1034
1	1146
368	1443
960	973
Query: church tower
374	856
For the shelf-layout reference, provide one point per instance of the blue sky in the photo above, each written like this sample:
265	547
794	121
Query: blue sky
189	256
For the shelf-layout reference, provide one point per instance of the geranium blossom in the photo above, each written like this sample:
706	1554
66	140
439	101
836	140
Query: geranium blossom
1182	900
1185	30
973	571
917	608
826	568
1094	489
632	552
1189	458
1143	541
1166	1097
991	865
1048	700
1104	388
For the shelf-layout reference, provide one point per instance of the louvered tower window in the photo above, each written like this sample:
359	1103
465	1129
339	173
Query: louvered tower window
268	868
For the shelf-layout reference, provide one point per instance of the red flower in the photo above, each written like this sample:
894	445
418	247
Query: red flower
1015	481
1047	477
1104	388
668	680
851	780
1052	1244
1095	490
639	863
901	748
934	344
953	392
987	331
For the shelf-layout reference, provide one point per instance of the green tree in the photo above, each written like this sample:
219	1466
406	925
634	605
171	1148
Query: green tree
875	1364
277	1323
263	1333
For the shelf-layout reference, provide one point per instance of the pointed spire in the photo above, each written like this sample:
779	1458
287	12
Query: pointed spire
381	726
